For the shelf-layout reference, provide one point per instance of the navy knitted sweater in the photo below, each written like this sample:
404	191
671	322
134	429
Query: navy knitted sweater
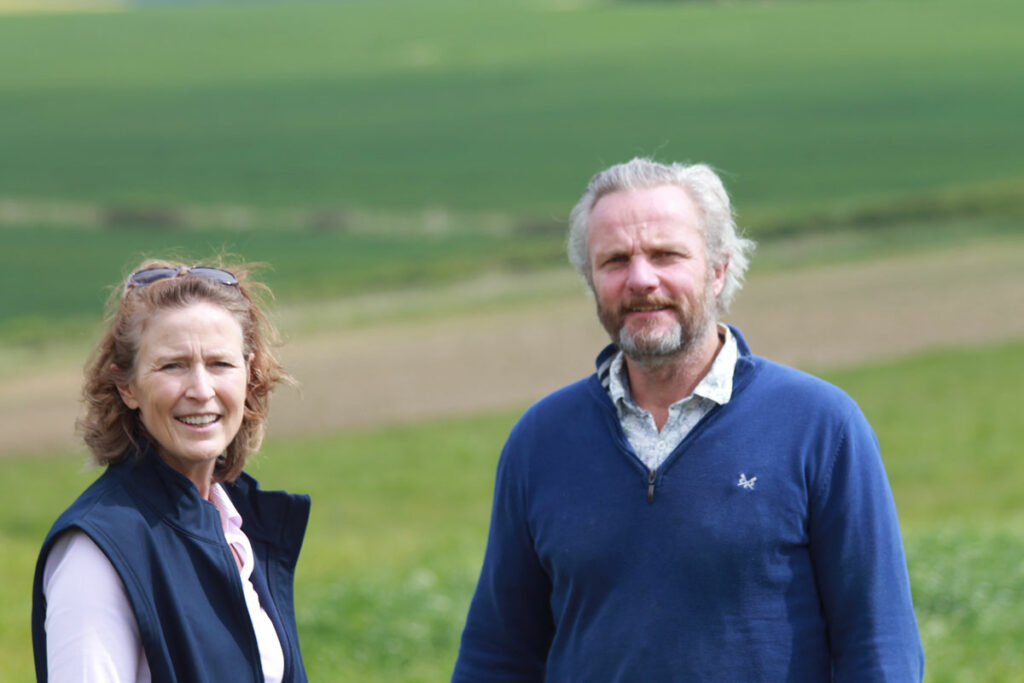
765	548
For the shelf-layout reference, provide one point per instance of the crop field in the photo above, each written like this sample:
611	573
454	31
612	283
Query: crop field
506	105
72	270
351	150
57	278
405	168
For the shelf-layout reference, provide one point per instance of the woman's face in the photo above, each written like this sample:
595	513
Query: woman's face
189	386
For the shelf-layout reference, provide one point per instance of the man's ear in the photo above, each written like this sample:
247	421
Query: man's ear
127	395
720	270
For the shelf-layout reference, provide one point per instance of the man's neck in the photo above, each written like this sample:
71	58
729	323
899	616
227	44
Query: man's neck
656	387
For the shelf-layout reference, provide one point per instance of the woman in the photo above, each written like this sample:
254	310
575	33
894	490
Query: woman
174	565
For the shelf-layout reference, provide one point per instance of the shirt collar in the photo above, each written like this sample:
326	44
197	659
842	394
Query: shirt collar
715	386
229	517
231	521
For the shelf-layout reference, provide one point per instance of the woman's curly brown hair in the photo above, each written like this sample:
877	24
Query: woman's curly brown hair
112	430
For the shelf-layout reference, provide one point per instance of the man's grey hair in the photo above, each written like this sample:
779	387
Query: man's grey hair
722	242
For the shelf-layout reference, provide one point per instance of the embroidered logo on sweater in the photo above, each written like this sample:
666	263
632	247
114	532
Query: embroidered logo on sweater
745	483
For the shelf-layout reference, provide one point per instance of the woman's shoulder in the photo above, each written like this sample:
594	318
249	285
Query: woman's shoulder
269	515
75	548
103	500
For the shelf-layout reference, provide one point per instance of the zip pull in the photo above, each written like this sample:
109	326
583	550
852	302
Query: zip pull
652	475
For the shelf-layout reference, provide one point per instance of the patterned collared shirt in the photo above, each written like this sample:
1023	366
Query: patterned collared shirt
650	445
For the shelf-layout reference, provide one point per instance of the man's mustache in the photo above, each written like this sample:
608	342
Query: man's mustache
647	303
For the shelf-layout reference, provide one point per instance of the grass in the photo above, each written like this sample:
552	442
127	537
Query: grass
946	422
966	578
356	153
48	273
400	517
507	106
54	280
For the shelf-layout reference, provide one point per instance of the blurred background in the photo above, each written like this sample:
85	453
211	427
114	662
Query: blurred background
405	169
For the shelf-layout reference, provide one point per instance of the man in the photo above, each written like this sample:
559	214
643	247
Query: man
691	511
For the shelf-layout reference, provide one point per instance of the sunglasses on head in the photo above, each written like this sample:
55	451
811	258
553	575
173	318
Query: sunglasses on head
148	276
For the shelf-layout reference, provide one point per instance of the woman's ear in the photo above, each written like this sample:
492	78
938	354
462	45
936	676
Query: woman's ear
127	395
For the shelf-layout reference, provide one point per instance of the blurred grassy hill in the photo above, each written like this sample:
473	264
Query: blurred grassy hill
397	144
508	105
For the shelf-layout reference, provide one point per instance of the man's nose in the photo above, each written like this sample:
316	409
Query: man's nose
642	276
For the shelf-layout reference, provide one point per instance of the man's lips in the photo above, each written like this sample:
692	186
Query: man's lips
644	308
647	309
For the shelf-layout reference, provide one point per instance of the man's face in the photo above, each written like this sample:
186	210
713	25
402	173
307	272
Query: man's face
655	289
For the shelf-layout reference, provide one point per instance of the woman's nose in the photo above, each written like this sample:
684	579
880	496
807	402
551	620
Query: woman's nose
200	385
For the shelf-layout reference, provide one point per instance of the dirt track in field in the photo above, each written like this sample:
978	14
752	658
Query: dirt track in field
467	363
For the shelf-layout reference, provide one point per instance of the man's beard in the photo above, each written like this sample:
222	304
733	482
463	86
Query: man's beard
654	346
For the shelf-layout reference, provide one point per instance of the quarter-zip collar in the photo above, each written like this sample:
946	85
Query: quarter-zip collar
743	373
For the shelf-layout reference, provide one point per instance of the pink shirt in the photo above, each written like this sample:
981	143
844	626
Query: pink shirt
92	635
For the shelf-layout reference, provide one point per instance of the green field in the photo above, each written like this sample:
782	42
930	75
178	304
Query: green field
71	271
54	280
506	106
355	152
400	518
359	153
378	146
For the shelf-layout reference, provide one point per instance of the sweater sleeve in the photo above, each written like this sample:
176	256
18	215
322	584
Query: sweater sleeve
859	564
91	632
509	627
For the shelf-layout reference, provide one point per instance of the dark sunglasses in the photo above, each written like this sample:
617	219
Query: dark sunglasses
141	278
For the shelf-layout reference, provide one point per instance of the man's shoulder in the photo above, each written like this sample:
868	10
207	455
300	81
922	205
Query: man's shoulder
568	398
772	375
573	404
551	430
797	386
